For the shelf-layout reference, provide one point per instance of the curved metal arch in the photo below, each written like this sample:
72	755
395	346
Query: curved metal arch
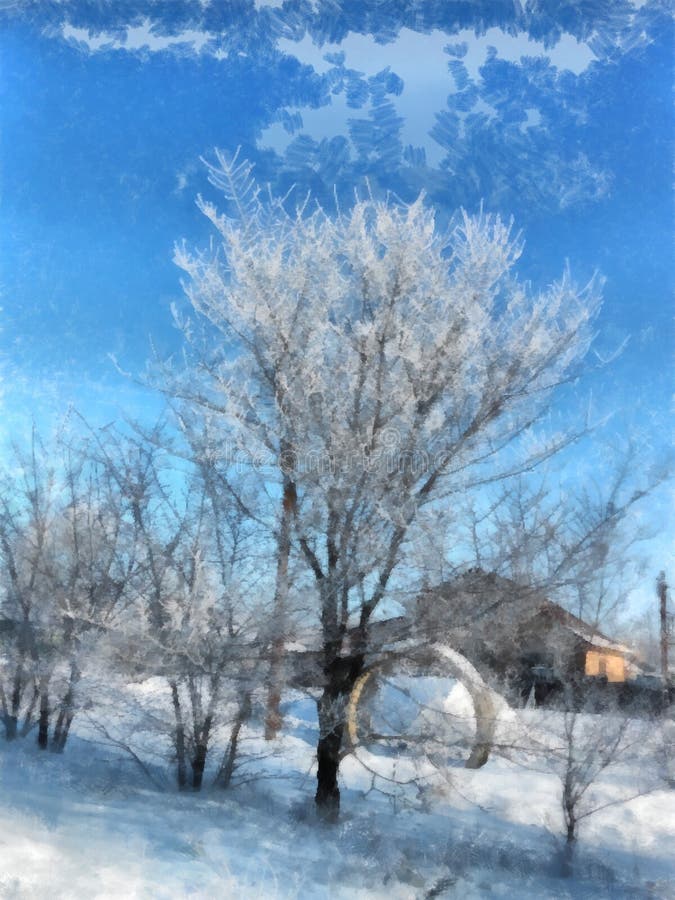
445	661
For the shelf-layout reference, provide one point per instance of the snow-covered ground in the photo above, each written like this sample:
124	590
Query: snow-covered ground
90	825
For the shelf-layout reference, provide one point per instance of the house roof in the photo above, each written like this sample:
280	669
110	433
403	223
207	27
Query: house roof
476	604
588	633
484	601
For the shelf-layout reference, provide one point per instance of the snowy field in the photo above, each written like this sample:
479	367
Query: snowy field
90	825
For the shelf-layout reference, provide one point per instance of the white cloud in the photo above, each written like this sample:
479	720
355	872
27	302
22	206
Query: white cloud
138	37
421	61
568	53
533	119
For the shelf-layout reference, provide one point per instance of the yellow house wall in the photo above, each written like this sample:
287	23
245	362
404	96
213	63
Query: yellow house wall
615	667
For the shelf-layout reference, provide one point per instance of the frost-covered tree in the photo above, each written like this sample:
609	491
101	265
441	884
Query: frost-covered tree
67	558
27	516
575	543
191	633
600	761
382	368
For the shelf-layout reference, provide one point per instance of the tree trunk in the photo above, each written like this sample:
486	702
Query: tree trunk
179	738
66	713
12	719
224	777
43	721
568	852
198	763
273	718
341	674
57	737
569	814
28	718
327	796
201	750
201	727
10	727
60	736
5	711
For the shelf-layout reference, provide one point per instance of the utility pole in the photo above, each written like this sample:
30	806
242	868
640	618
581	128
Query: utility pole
662	592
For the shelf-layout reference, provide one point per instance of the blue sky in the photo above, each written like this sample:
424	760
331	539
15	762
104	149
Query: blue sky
561	117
